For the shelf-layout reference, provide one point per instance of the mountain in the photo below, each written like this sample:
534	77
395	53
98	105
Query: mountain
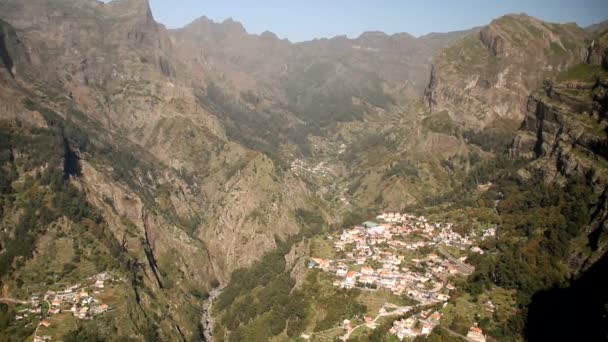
565	134
175	160
474	102
304	88
179	204
597	28
487	77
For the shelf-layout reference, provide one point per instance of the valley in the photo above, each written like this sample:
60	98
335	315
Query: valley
208	184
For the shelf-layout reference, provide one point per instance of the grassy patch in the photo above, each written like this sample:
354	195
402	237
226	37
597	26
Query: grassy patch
582	72
374	300
441	123
322	248
61	325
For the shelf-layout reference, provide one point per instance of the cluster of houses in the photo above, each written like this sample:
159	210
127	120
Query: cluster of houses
398	255
382	244
78	299
421	324
299	167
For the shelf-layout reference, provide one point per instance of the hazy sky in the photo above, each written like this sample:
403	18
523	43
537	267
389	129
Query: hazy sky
300	20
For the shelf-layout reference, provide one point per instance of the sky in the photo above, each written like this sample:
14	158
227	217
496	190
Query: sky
299	20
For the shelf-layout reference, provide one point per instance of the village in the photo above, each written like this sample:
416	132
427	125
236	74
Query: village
408	256
79	300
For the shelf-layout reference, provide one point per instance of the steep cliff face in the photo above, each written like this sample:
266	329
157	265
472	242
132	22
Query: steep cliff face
7	38
115	65
488	76
186	204
565	135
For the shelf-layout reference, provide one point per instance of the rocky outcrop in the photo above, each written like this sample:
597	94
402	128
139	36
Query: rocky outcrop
13	55
5	56
488	76
492	40
555	131
597	51
565	136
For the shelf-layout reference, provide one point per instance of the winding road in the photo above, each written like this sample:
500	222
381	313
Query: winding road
12	301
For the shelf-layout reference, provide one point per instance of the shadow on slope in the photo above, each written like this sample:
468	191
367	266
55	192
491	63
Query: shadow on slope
575	313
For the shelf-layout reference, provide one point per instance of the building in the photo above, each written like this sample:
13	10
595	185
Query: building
368	280
435	317
426	329
476	334
442	297
376	230
370	224
367	270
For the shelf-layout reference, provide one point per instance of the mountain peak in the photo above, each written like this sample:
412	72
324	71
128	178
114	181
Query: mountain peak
598	27
206	26
269	35
129	8
234	26
133	4
372	35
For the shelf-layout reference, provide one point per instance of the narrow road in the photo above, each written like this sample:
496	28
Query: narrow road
468	270
453	333
36	332
12	301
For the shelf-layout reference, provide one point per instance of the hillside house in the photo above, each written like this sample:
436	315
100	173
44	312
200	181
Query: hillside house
476	334
367	270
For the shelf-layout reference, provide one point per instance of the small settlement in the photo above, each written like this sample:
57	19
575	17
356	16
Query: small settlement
406	255
80	300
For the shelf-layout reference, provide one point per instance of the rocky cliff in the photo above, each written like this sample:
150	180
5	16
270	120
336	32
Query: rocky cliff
565	135
185	204
488	76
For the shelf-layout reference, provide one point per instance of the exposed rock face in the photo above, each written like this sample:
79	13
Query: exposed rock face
565	134
189	196
296	262
12	52
488	76
552	129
